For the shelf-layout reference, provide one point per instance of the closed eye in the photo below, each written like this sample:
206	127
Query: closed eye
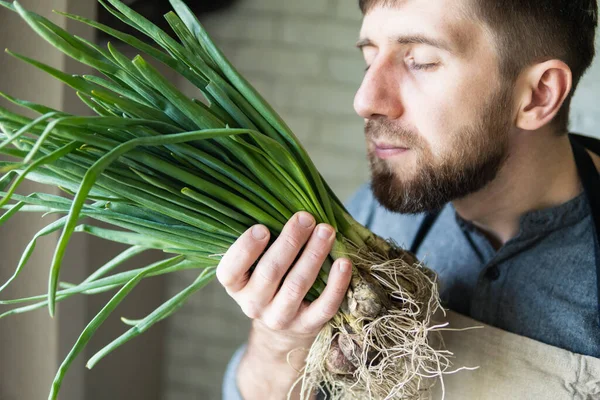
420	67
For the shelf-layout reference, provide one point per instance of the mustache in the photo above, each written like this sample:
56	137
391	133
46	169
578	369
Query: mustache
385	130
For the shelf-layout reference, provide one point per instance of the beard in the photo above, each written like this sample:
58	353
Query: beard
475	155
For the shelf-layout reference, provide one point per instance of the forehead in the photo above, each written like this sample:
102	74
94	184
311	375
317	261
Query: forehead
449	21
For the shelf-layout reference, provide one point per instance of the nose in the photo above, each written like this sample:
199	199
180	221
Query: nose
379	93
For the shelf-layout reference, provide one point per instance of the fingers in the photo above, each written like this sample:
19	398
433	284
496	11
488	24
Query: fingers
328	303
262	295
276	261
233	269
284	307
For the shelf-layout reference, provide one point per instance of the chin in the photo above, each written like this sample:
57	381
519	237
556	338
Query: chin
403	169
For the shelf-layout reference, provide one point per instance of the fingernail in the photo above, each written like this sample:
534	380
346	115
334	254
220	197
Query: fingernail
344	266
259	232
306	220
324	232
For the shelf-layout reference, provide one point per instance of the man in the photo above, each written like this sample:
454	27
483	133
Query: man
466	104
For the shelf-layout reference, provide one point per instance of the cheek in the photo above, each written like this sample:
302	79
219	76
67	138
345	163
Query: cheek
434	120
440	105
455	109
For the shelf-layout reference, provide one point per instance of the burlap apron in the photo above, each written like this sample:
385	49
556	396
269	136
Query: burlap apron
513	367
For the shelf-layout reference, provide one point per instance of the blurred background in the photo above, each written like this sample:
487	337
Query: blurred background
300	55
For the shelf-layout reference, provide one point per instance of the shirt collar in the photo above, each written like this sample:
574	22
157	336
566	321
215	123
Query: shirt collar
534	225
547	220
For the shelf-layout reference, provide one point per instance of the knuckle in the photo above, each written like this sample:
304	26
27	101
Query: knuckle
275	323
247	252
243	253
224	277
292	242
269	272
296	287
306	326
328	311
314	255
338	291
230	292
329	308
251	309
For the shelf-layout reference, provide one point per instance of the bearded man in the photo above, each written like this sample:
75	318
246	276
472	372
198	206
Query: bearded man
466	104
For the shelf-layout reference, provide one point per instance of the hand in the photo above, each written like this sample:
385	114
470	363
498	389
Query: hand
279	306
282	320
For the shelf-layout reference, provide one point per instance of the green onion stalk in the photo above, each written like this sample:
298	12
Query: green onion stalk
188	177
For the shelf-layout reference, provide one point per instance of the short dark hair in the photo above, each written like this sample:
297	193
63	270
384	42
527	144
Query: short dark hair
530	31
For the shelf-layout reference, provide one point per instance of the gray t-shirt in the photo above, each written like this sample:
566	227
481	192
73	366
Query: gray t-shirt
541	284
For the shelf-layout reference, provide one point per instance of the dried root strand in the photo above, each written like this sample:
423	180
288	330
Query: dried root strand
379	344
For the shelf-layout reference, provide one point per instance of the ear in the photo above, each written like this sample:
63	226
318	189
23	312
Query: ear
542	89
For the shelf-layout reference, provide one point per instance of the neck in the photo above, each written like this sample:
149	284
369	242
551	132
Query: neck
539	173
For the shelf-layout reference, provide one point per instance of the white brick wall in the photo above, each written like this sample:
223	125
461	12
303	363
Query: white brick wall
585	108
305	7
286	63
319	34
345	12
300	55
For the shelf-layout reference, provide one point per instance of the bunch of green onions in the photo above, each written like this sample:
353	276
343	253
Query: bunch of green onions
181	175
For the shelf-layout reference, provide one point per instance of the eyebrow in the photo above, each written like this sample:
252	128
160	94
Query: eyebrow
409	39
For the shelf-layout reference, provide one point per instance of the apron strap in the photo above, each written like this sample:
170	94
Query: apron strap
423	230
591	184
